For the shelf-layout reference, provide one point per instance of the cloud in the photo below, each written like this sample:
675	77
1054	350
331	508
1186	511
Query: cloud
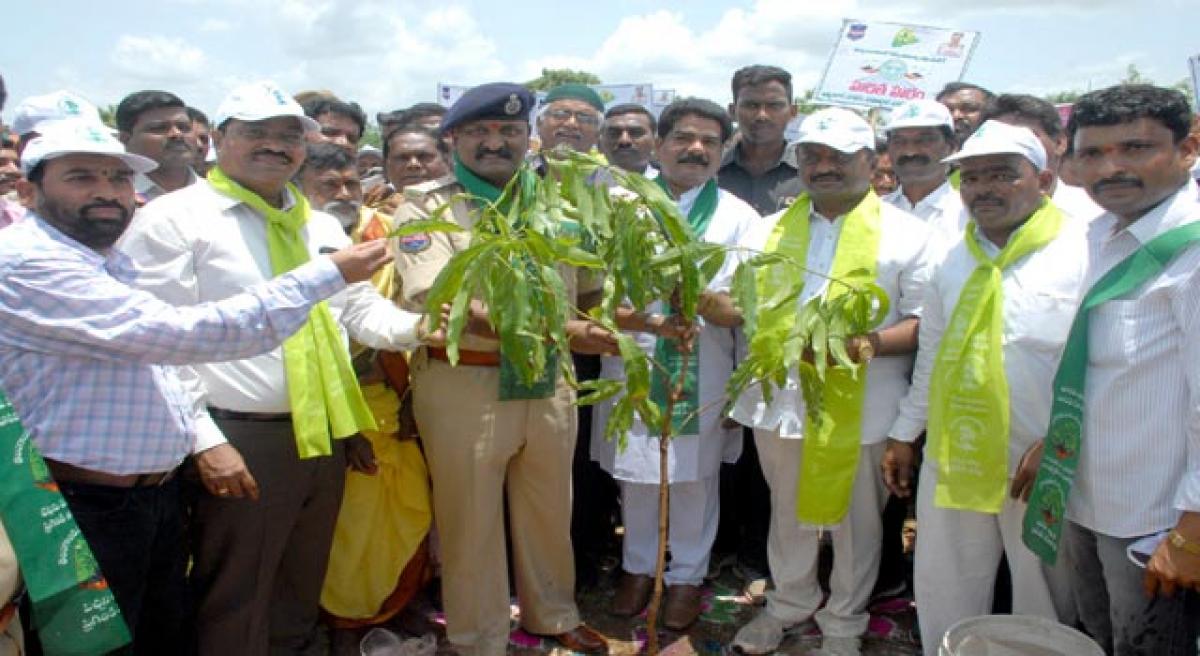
215	25
157	58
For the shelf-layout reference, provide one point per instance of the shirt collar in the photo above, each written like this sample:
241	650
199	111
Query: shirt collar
224	202
688	198
145	186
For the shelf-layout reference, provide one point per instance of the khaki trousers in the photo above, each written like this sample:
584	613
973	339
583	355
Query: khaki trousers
478	448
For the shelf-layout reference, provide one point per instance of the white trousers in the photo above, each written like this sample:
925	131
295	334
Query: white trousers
792	549
958	552
694	510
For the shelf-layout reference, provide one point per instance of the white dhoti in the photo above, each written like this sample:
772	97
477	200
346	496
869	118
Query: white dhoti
694	511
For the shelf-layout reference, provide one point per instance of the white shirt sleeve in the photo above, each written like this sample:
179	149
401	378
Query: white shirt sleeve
376	322
1186	307
914	408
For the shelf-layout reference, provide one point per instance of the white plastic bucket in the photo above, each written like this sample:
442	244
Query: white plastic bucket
1015	635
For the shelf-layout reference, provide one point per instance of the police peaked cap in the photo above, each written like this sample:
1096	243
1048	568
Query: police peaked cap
496	100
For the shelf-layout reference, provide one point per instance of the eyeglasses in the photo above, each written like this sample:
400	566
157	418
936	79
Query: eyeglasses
581	117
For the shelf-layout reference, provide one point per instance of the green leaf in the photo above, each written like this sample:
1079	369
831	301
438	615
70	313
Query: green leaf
424	225
601	389
744	290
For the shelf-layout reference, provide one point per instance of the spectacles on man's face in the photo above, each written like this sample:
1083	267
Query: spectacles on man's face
581	117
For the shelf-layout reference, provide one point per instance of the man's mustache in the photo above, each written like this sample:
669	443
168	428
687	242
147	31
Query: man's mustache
1117	181
83	211
276	153
693	159
503	153
986	198
829	175
913	159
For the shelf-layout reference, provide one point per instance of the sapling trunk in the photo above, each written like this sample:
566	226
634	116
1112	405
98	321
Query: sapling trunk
664	504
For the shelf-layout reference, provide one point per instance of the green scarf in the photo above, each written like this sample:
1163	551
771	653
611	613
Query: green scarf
685	420
833	430
322	389
512	388
968	397
1046	514
73	609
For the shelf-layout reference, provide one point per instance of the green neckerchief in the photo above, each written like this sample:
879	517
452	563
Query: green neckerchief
955	178
73	609
833	429
685	418
322	389
1046	514
968	394
512	388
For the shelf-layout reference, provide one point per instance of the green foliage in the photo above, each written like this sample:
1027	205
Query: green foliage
552	77
635	238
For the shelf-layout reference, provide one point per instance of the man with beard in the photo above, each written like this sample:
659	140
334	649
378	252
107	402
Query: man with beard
1120	472
966	103
920	135
691	135
989	346
627	138
1042	118
570	118
273	464
155	124
824	475
761	169
478	446
385	512
90	365
329	179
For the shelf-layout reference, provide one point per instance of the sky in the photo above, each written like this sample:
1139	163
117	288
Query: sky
387	54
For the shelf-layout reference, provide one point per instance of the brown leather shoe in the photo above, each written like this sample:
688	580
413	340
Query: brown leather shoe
682	606
633	593
584	640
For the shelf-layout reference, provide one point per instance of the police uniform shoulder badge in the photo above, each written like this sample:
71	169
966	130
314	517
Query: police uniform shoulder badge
513	106
415	243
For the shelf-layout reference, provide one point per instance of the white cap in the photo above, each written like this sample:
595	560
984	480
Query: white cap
260	101
51	107
72	135
997	138
920	114
840	129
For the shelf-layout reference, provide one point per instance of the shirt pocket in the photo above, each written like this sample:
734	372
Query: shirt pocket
1122	333
1039	320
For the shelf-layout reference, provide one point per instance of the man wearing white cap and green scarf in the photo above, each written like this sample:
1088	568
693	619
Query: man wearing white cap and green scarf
272	465
824	474
995	321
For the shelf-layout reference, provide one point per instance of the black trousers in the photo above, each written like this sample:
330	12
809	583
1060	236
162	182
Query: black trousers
137	535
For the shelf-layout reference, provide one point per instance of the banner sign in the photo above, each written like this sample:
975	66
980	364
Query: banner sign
876	64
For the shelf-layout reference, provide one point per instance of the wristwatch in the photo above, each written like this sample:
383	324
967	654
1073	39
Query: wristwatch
655	321
1179	542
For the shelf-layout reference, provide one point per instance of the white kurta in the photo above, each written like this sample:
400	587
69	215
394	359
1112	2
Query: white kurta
942	210
689	457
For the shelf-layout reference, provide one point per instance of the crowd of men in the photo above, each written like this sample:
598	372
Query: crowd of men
228	367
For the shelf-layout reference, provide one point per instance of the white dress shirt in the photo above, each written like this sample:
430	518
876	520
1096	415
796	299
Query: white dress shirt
196	245
148	190
1139	464
1040	292
942	210
902	272
689	457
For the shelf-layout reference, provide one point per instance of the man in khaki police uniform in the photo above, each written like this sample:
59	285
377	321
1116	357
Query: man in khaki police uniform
479	447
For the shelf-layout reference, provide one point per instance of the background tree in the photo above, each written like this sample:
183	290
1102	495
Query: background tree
552	77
